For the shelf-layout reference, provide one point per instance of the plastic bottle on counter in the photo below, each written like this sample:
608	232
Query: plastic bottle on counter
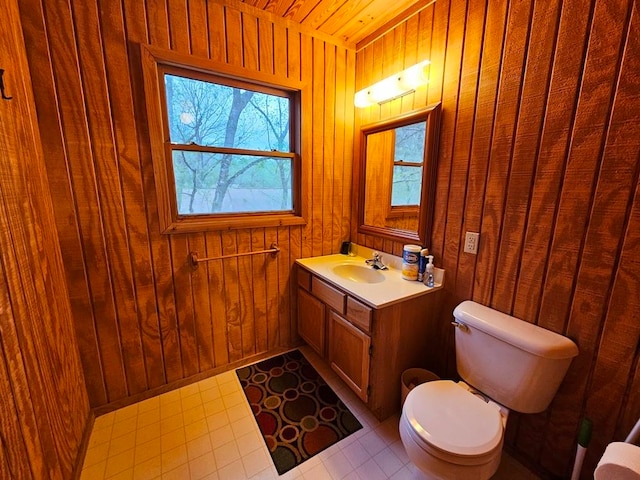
429	280
423	264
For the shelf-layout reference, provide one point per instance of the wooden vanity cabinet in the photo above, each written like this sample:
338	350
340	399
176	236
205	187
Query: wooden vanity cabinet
368	348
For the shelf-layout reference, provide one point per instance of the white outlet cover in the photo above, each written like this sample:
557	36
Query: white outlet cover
471	240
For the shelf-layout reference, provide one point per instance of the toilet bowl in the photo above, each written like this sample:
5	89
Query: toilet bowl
455	431
451	432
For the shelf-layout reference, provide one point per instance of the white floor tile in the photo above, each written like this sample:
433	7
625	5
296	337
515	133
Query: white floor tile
221	436
119	463
269	473
217	420
174	458
152	403
371	470
196	429
173	439
318	472
194	414
388	462
126	413
181	472
171	424
400	452
96	454
338	465
93	472
198	447
189	390
256	462
239	412
226	454
202	466
249	443
148	417
147	450
232	471
243	427
356	454
149	469
372	443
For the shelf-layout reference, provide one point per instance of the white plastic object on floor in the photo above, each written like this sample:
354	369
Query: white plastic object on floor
620	461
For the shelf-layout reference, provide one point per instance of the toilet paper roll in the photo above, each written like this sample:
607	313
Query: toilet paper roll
620	461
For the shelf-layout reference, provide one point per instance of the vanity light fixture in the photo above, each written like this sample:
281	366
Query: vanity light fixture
394	86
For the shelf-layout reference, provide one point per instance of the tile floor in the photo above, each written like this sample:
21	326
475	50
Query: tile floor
206	431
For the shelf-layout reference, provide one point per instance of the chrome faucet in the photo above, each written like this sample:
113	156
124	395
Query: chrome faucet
376	262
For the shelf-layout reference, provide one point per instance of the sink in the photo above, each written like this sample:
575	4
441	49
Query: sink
358	273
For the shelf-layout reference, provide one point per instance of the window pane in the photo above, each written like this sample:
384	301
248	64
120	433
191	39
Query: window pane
407	186
216	115
221	183
407	180
410	142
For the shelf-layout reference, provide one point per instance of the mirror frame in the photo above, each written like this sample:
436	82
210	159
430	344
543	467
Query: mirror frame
422	236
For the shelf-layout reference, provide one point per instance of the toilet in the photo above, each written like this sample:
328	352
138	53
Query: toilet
455	430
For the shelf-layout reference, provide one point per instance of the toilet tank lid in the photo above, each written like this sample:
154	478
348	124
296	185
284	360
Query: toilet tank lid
524	335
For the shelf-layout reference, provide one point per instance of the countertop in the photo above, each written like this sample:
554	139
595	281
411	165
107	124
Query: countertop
392	289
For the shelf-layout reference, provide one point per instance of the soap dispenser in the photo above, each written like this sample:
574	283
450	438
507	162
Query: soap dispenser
428	277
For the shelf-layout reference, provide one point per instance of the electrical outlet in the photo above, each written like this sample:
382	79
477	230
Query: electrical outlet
471	240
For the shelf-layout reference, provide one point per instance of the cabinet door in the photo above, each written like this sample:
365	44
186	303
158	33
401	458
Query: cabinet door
311	321
349	354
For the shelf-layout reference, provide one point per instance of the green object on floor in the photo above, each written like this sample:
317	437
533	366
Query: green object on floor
298	414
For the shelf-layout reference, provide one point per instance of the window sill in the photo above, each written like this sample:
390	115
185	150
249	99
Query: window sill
207	224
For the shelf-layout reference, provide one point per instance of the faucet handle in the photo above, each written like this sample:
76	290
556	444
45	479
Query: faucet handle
377	256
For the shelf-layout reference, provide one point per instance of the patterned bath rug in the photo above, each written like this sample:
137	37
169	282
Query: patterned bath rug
299	415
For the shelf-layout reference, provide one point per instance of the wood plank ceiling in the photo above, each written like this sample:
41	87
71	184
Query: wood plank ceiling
352	21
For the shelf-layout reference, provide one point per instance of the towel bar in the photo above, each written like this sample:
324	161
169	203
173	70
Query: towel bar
194	260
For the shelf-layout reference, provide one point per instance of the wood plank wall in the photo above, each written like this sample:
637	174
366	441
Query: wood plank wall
540	153
40	436
144	320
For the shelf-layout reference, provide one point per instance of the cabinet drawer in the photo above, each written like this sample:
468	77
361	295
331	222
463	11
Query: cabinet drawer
329	295
304	279
359	314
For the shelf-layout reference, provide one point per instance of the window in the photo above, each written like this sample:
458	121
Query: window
406	188
226	150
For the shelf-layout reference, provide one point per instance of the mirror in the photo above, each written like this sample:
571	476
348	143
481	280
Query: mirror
397	172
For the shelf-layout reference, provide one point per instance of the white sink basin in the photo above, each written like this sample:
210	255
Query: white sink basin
375	288
358	273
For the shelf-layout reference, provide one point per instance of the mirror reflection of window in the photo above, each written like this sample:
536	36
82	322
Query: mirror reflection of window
406	187
396	176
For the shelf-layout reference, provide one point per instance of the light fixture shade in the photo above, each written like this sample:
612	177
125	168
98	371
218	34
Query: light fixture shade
415	76
394	86
387	89
363	99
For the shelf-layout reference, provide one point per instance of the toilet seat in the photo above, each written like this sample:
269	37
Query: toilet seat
450	422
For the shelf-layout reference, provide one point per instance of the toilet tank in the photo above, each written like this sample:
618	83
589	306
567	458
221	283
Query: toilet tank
516	363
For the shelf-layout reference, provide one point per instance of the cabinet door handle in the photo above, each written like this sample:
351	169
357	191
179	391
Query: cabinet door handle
4	95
